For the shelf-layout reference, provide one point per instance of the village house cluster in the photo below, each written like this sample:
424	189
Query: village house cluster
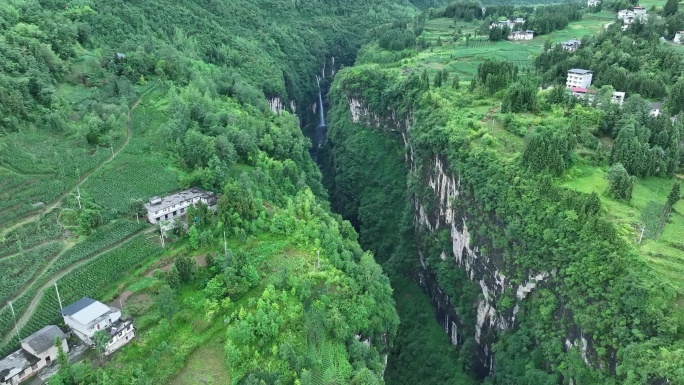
579	80
512	25
84	318
507	23
629	16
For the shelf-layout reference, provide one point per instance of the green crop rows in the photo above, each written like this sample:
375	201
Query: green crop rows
19	269
134	173
106	237
31	234
103	238
39	152
87	280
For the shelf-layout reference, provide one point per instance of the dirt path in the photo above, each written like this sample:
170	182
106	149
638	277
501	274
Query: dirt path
120	301
84	177
36	299
489	114
39	244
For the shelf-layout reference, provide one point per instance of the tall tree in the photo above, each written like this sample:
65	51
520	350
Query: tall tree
166	302
671	7
621	183
675	194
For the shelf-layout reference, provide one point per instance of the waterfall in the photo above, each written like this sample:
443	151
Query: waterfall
321	122
319	134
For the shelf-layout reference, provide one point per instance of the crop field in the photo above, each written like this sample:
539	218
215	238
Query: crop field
38	167
87	280
463	58
21	238
666	252
38	251
103	240
136	172
17	270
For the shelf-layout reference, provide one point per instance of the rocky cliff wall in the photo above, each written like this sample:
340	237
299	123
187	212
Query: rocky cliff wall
445	209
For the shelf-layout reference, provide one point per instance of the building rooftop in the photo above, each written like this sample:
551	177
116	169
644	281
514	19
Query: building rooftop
581	90
117	326
15	363
157	203
44	339
579	71
86	310
656	105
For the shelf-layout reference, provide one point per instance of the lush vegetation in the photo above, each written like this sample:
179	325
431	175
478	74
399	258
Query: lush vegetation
105	105
524	200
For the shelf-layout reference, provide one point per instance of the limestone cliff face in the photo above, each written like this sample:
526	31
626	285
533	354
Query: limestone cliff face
447	211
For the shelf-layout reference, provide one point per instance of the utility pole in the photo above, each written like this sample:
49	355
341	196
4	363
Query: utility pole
59	298
318	252
641	236
137	218
78	197
16	328
225	245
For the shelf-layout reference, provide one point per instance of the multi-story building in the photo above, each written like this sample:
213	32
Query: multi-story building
86	316
578	77
171	206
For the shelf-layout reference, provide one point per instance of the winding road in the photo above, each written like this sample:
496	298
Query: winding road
25	316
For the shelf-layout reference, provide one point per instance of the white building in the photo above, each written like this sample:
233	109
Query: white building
503	24
625	13
593	3
120	333
521	35
678	37
639	11
175	205
86	316
656	109
578	77
37	351
618	98
519	20
571	45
